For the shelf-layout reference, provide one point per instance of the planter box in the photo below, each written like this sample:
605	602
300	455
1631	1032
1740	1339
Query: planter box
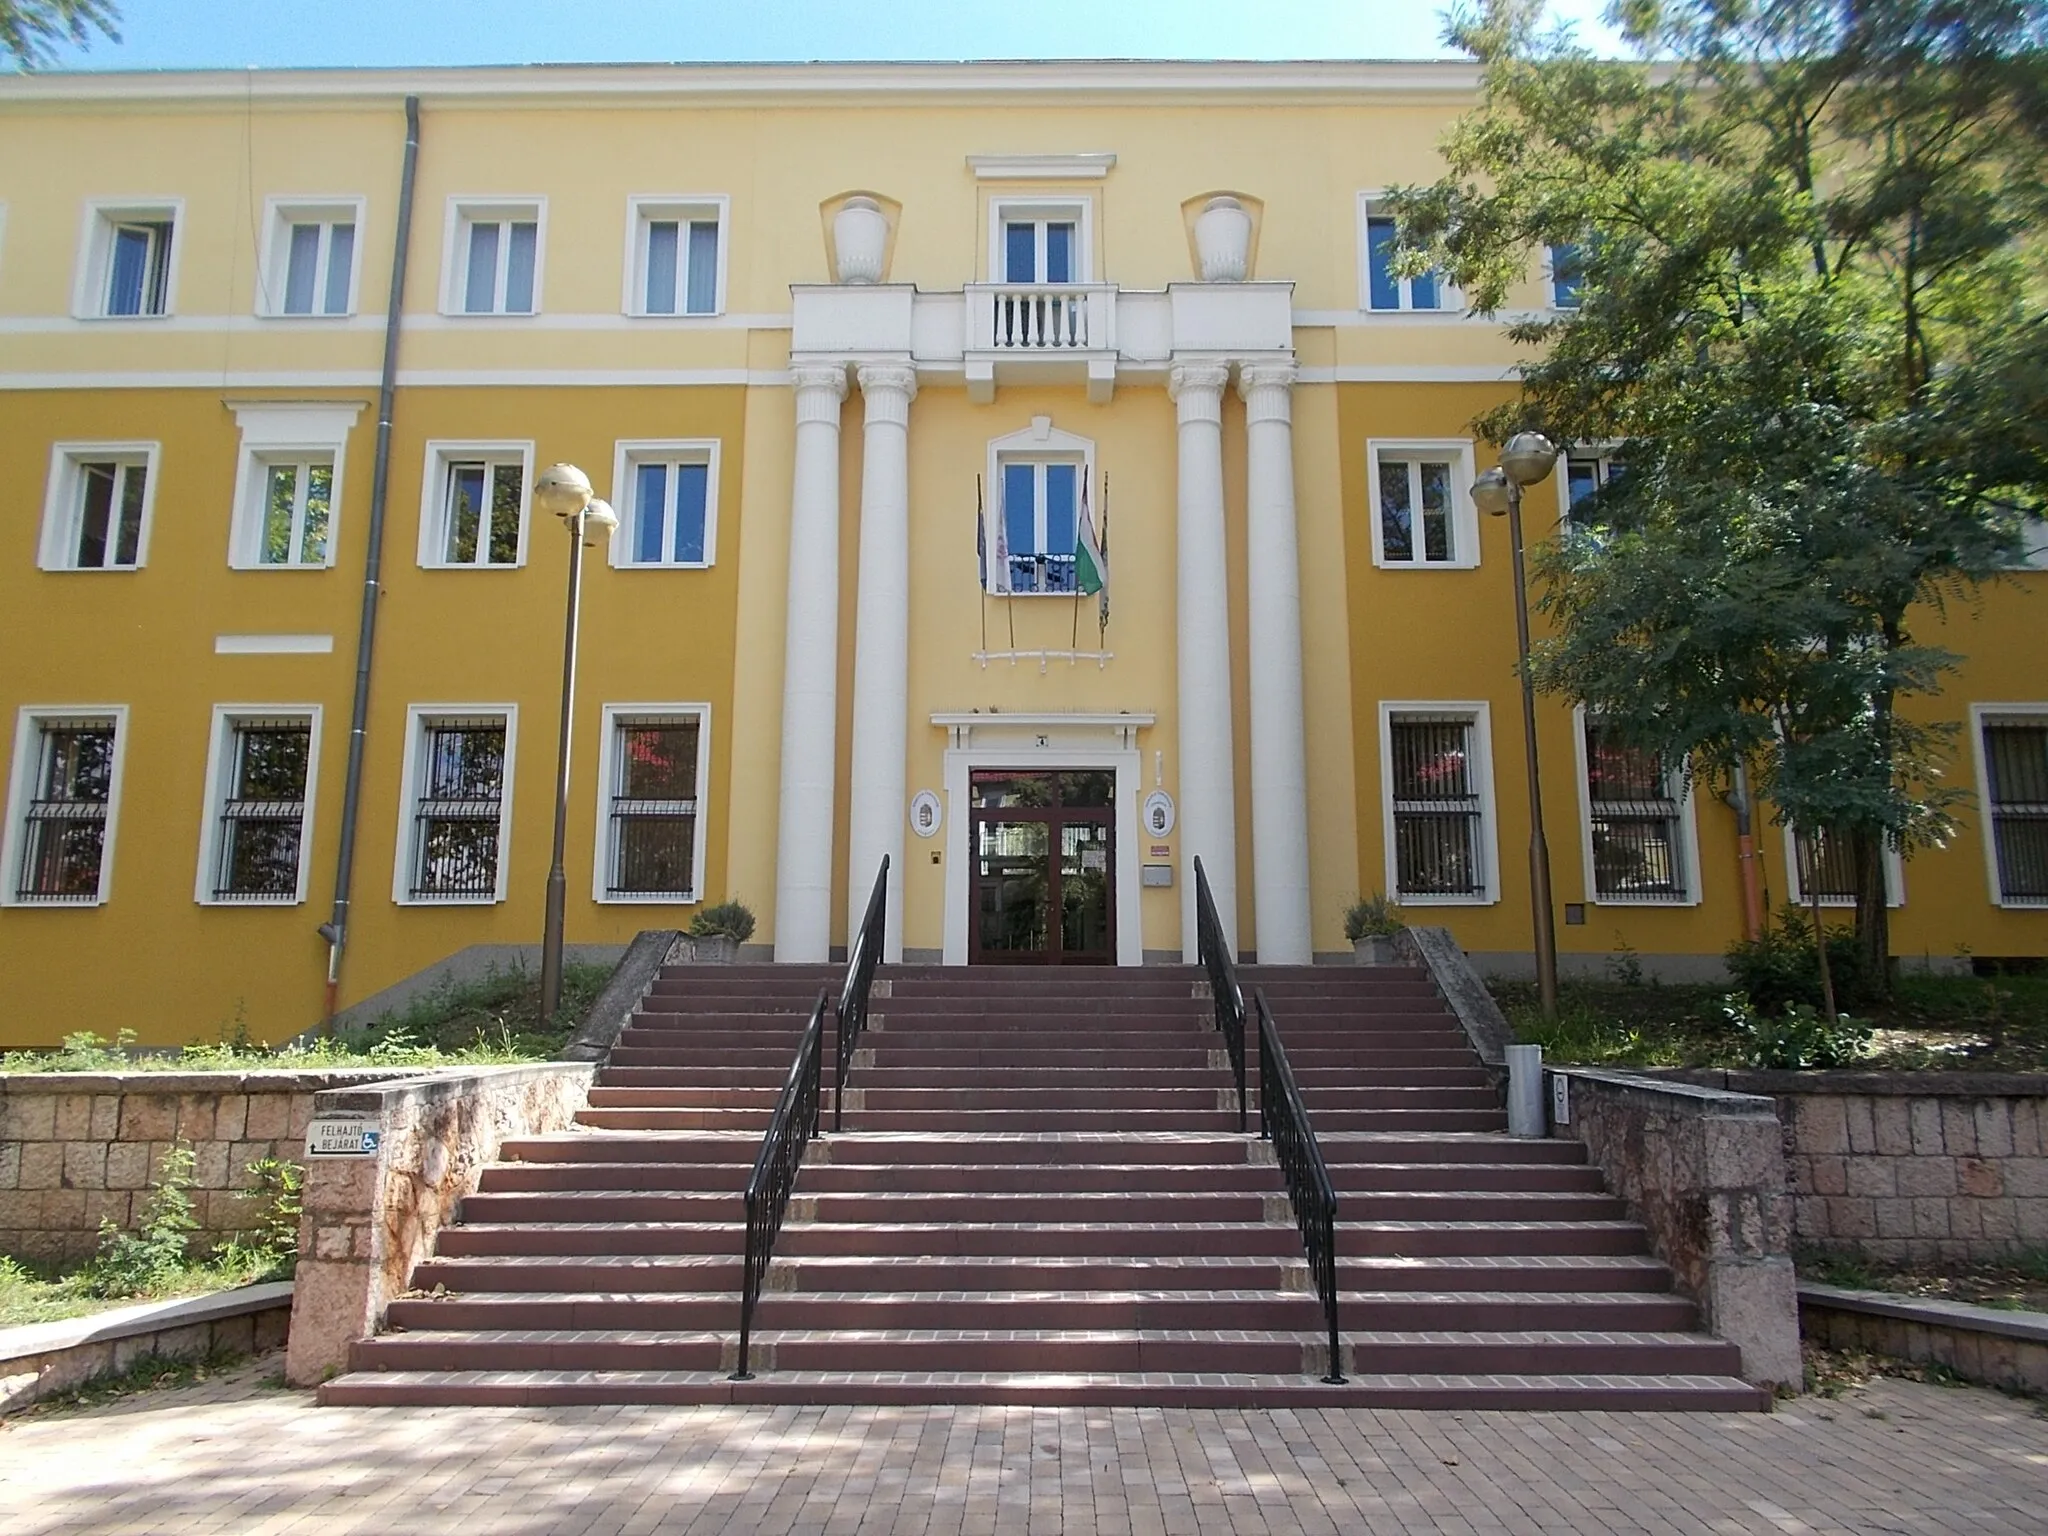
1379	949
717	949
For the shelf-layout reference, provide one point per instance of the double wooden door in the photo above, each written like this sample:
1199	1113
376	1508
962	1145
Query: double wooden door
1044	850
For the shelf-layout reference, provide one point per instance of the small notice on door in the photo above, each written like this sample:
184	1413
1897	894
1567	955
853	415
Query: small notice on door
343	1136
1095	858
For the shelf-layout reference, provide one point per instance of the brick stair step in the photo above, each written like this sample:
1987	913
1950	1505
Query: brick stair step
543	1350
483	1239
1355	1178
1038	1178
608	1206
886	1051
617	1178
1362	1060
1050	1077
1416	1238
1408	1119
604	1097
1441	1147
1171	1390
1002	1206
1516	1311
890	1148
1291	1311
1002	1271
1477	1205
702	1075
1323	1099
1541	1353
1036	1119
595	1272
1197	1242
681	1054
601	1147
1322	1079
676	1119
1524	1273
656	1311
1039	1350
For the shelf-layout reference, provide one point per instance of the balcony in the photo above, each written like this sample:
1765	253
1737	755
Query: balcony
1041	332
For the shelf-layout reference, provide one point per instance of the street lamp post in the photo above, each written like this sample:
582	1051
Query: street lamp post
563	491
1525	461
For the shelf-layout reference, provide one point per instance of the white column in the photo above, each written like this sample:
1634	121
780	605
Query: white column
881	650
1208	776
810	674
1279	753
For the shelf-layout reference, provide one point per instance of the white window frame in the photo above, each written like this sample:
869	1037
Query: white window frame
282	432
627	456
1451	304
24	769
441	453
2034	541
220	765
646	208
1550	281
1979	713
418	719
465	210
1481	716
280	213
1043	210
1795	884
102	216
1605	453
63	502
1039	443
600	868
1680	786
1464	526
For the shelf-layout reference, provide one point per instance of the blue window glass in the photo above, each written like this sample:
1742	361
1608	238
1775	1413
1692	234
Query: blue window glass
480	296
341	255
130	269
1423	292
650	513
1060	483
692	483
1384	286
1565	276
1059	253
519	269
702	295
1020	253
302	268
661	267
1020	524
1582	479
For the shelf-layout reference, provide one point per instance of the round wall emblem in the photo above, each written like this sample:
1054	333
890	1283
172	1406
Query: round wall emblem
926	814
1158	813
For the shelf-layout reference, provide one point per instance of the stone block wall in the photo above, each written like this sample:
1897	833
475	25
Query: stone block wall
1912	1167
79	1147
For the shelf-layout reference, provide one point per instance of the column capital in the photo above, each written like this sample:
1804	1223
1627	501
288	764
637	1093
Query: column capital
888	389
819	389
1197	388
1266	387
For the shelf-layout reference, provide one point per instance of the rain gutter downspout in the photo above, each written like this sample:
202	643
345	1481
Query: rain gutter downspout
335	929
1745	842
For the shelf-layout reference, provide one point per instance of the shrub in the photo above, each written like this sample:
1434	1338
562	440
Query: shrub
157	1253
1374	918
725	920
1783	968
1797	1038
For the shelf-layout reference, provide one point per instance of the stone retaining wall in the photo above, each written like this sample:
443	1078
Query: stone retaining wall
79	1147
1911	1167
1982	1344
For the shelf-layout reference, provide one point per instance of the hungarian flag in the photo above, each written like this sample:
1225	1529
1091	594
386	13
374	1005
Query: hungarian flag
1091	565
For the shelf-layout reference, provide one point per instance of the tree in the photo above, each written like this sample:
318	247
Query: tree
1812	310
30	30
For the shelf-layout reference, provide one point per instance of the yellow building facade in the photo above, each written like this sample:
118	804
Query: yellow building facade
861	356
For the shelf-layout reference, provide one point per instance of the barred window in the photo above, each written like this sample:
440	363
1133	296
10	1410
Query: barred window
1635	809
652	828
1437	805
64	821
2016	780
458	815
263	810
1824	866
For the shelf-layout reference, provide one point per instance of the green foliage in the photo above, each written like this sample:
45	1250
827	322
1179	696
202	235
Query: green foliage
1372	918
156	1255
1782	968
725	920
31	30
277	1192
1796	1039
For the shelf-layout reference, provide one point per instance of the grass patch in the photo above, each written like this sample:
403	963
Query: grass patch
32	1295
2015	1284
492	1020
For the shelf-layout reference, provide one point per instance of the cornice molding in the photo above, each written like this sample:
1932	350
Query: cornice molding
1085	167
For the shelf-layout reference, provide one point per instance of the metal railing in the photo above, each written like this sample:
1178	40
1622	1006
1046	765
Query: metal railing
775	1169
1224	995
863	954
1283	1120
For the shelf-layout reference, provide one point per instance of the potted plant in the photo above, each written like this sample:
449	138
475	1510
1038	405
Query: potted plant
1372	926
717	932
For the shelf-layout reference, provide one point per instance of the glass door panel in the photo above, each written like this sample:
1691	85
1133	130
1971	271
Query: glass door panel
1012	868
1085	875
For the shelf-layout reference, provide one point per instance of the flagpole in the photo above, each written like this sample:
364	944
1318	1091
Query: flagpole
981	560
1074	634
1102	607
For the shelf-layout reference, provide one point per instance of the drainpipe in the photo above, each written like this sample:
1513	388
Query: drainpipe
1745	843
335	929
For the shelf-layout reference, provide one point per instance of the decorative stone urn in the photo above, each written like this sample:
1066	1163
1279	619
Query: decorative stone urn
1223	241
1376	949
860	236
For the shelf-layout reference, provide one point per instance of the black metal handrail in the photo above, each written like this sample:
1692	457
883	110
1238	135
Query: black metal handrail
1228	1000
782	1154
1283	1120
863	954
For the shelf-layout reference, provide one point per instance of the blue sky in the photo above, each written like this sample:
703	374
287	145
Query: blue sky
206	34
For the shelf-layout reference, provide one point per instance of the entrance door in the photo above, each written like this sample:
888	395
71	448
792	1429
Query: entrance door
1044	867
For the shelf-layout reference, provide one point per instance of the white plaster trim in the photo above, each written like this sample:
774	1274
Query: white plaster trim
1039	443
284	431
1978	713
1482	772
420	378
218	766
95	249
627	453
1043	208
273	645
1464	514
1411	373
1894	876
465	208
643	208
417	718
27	761
61	506
601	840
441	452
1688	826
273	262
1082	167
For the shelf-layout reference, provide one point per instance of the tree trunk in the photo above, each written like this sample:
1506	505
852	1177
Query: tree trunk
1873	912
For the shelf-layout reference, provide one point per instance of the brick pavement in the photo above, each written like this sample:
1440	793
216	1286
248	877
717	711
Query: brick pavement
235	1456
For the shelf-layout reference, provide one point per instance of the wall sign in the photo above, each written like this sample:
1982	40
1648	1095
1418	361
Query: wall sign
1159	813
926	814
343	1136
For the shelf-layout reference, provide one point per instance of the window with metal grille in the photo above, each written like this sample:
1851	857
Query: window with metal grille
1035	527
1437	806
1824	865
64	824
263	810
459	813
1634	809
654	804
2016	780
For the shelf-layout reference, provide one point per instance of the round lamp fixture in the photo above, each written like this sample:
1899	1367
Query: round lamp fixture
1527	457
561	490
1490	492
599	515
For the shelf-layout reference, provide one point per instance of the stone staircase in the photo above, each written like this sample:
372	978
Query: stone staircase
1040	1196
